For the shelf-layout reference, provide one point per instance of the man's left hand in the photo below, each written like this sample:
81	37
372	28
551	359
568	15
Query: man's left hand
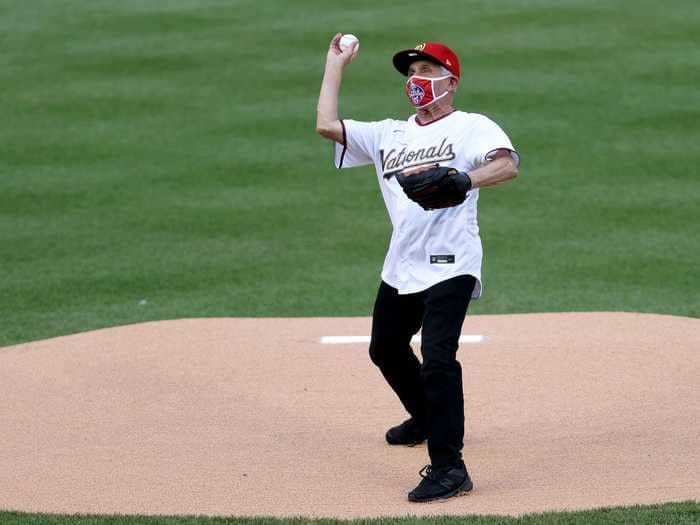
435	187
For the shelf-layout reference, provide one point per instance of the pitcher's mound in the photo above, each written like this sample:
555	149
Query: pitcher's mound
256	417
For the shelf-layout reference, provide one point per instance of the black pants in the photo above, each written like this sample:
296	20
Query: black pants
431	392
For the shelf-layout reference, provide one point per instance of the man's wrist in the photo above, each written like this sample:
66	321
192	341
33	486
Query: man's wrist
472	180
469	180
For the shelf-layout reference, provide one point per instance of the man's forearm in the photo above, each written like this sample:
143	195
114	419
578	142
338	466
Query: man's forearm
327	123
497	171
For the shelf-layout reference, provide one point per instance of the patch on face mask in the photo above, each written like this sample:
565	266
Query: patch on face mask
416	94
442	259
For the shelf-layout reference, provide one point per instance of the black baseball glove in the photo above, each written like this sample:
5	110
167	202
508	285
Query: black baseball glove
436	187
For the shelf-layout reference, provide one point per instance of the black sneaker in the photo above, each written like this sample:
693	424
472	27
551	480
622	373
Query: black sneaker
441	483
407	433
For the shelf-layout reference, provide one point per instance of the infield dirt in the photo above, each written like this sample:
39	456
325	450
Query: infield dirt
256	417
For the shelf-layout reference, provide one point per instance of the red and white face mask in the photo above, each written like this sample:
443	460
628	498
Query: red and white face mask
421	90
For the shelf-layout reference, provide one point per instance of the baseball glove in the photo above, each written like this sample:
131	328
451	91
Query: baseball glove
436	187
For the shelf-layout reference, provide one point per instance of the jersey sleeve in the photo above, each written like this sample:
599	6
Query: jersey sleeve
361	143
488	137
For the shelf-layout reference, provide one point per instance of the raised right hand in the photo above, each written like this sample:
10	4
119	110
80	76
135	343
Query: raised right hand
336	56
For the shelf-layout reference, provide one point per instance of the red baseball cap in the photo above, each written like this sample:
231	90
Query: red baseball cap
433	51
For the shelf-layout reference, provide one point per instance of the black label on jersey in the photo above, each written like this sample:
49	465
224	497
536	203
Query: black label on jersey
442	259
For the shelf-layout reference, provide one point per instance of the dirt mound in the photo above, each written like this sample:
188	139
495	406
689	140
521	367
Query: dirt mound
257	417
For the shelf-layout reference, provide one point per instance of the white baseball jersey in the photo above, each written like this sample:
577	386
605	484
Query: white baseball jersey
426	247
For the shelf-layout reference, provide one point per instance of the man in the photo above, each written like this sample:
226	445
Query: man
433	265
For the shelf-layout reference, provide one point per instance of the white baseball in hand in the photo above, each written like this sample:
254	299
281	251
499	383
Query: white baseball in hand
347	41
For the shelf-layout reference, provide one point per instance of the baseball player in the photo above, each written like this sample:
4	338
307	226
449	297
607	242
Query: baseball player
430	168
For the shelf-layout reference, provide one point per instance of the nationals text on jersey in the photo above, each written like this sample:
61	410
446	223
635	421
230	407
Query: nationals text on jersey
396	161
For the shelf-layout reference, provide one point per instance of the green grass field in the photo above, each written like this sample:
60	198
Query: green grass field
668	514
158	160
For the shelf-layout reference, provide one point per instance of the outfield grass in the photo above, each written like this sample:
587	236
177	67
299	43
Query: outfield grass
158	160
166	153
670	513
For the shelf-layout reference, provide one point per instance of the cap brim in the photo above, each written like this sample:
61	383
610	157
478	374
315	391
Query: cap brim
403	59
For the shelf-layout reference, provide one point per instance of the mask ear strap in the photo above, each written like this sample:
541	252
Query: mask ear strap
430	78
435	99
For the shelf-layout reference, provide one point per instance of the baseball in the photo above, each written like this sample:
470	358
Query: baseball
348	40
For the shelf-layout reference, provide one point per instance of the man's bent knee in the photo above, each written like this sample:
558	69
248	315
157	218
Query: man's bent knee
383	350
